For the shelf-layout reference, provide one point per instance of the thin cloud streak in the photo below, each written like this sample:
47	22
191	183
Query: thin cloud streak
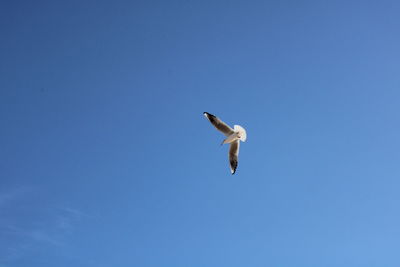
51	230
15	194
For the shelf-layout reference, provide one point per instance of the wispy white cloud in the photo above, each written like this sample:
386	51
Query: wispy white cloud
32	228
54	228
43	236
13	194
74	212
68	217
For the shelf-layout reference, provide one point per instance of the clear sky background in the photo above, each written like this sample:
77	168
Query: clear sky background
107	160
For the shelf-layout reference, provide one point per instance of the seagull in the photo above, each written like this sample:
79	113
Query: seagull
234	136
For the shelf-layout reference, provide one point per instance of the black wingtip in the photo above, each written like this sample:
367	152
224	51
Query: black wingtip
209	116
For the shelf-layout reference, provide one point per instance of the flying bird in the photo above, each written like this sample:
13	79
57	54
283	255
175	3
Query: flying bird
233	137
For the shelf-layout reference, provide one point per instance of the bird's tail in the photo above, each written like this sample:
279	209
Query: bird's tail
241	131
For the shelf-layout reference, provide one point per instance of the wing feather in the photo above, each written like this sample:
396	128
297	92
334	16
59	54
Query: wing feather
234	155
220	125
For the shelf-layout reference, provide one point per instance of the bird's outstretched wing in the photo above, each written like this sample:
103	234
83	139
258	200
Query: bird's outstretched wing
220	125
234	155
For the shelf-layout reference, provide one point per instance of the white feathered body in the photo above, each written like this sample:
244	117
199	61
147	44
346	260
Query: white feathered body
239	134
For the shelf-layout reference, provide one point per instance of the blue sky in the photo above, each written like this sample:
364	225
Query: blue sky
107	160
